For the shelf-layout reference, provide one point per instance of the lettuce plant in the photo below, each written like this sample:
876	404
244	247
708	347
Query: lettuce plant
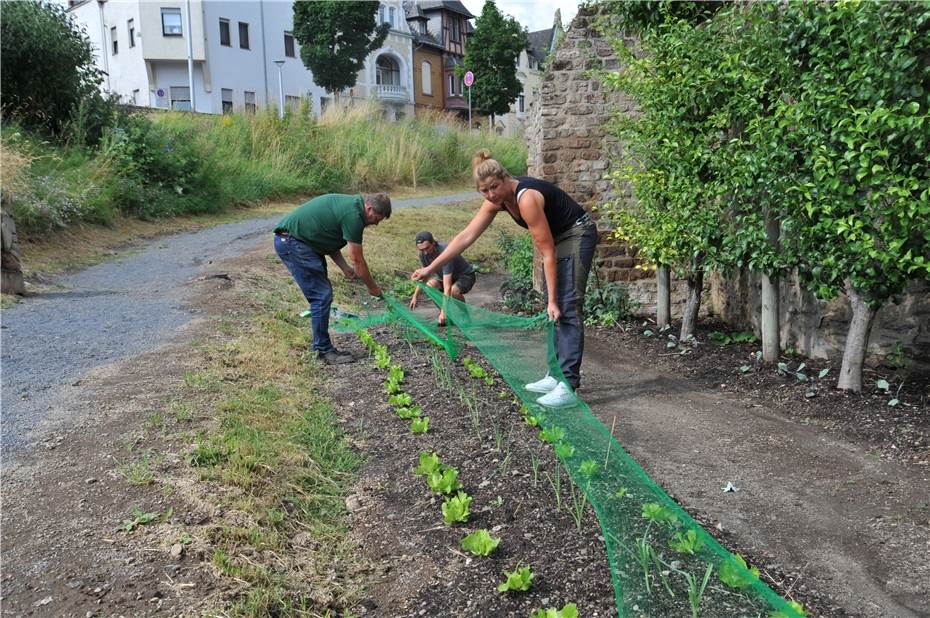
429	463
564	450
382	357
733	576
569	611
419	425
444	481
409	412
455	509
518	580
656	513
400	399
797	607
686	542
588	468
480	543
553	435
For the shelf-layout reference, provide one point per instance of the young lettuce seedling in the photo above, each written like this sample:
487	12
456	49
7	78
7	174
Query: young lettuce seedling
656	513
563	450
588	468
518	580
409	412
686	542
419	425
444	481
480	543
553	435
455	510
797	607
569	611
429	463
732	571
400	399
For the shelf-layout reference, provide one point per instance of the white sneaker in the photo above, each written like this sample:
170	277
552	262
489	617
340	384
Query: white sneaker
559	397
542	386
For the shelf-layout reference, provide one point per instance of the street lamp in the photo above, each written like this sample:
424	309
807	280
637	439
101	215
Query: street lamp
280	64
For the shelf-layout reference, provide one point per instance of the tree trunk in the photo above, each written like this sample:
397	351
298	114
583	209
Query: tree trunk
771	345
857	341
12	269
663	297
693	306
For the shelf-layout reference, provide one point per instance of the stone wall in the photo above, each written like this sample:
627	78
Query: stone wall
568	146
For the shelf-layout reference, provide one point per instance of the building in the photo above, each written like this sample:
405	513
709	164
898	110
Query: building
530	67
440	32
243	53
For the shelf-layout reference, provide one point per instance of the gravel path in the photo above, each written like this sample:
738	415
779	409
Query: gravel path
109	312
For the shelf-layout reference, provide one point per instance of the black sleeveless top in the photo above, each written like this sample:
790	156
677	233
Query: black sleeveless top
560	209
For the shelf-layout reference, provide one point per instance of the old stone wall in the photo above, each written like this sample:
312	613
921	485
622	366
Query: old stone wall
568	146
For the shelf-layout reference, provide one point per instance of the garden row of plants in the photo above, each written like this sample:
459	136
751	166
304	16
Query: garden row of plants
788	139
71	154
675	567
443	479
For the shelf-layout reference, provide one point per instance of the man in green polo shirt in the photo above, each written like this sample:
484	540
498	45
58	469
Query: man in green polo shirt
320	228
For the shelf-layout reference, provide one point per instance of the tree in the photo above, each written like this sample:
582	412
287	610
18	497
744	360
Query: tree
492	56
335	37
47	66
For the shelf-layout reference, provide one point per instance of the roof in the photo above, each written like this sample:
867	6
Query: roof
539	43
414	11
450	5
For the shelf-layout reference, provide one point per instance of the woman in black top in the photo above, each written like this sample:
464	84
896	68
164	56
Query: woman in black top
563	234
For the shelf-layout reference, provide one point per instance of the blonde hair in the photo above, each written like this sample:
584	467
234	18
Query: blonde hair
483	167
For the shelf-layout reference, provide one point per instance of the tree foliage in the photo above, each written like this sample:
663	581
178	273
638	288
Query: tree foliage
335	37
46	66
492	54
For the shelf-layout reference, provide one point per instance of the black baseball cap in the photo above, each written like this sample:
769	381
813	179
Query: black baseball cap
424	236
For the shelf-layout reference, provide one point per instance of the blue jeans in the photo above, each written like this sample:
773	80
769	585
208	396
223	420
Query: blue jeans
574	250
309	271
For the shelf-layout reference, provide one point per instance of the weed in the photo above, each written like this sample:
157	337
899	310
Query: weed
721	338
137	518
138	472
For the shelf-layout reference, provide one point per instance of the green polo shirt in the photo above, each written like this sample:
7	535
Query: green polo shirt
327	222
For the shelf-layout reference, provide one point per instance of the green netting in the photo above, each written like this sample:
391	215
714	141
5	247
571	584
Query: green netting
639	521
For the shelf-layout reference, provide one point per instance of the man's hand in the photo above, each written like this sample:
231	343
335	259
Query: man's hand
413	302
350	273
375	291
553	311
420	274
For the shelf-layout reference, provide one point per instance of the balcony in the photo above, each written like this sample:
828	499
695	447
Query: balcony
391	92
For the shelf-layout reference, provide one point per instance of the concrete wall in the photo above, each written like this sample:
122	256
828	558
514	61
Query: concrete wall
568	146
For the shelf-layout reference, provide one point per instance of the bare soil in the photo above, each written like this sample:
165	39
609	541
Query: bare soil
832	504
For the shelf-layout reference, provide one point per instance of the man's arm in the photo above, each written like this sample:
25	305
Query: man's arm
361	268
340	261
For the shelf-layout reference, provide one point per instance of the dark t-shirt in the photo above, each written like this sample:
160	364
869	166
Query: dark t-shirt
560	209
456	267
327	222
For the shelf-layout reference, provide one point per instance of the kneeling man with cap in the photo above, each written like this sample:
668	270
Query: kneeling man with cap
458	275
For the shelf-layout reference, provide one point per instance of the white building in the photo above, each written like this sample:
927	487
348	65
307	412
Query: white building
243	55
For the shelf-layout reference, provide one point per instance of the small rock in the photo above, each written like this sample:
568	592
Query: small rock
176	550
353	503
42	602
90	480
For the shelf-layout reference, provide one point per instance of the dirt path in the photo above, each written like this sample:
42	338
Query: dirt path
813	508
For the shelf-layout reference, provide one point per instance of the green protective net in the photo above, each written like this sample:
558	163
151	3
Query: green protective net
658	555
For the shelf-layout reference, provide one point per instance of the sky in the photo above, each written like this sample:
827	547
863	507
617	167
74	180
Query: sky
533	14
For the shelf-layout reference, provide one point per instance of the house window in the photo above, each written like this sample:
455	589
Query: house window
180	97
392	17
426	79
381	16
456	28
113	40
451	85
131	26
171	22
388	72
249	99
135	96
521	104
243	35
226	95
225	39
289	45
422	27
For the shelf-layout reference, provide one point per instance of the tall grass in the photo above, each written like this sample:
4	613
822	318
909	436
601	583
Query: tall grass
179	163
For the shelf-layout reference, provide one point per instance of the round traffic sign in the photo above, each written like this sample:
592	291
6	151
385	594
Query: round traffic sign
469	78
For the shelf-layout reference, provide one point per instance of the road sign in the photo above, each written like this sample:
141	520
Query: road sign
160	92
469	78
